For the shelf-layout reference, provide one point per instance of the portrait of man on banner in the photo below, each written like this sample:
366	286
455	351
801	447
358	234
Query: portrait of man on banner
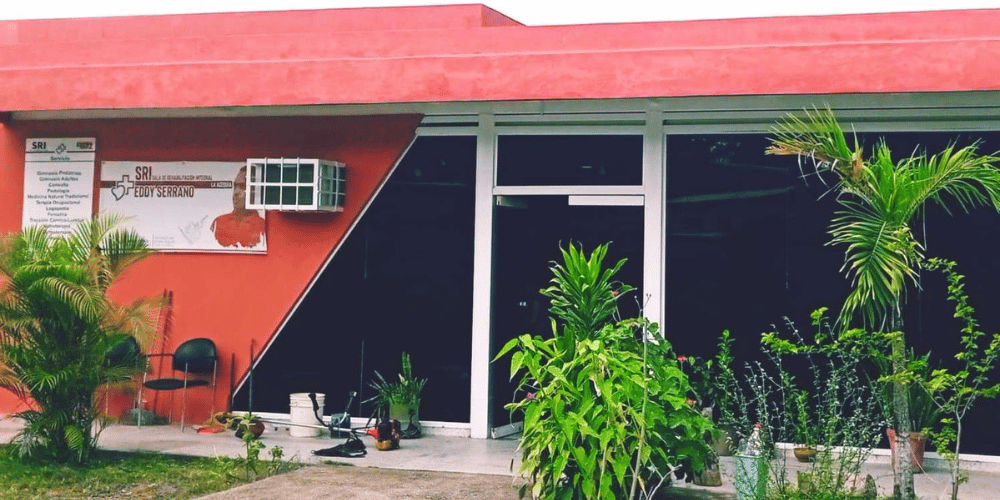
241	227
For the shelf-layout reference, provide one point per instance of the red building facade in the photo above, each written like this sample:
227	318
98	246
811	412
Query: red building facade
359	85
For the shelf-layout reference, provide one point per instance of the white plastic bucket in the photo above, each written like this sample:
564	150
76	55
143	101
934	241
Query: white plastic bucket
301	412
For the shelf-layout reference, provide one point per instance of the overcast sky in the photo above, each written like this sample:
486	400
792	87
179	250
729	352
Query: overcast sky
531	12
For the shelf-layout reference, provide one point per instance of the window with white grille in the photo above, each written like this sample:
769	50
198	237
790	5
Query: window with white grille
295	184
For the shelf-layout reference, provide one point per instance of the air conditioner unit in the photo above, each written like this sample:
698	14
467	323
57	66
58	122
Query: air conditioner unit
295	184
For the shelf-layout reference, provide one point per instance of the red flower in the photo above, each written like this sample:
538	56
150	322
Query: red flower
691	402
530	396
682	359
614	293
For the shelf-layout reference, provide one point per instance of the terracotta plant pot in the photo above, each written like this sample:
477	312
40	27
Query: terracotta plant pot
804	453
917	443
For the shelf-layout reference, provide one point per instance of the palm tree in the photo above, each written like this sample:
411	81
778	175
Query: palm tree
59	328
881	200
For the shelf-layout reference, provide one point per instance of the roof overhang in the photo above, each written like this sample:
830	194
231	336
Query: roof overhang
325	60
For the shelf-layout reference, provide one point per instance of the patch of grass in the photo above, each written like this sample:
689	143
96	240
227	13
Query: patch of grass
119	475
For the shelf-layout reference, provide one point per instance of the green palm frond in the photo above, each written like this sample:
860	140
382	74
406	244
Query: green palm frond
74	438
138	318
880	260
968	178
84	300
881	199
86	237
124	248
817	135
9	244
34	245
10	381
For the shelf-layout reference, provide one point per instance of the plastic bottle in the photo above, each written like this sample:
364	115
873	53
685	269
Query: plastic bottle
755	444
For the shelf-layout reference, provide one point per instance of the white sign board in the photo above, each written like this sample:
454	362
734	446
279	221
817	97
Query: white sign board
187	206
58	183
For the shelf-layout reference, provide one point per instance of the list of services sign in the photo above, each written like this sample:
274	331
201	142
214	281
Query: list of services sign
58	183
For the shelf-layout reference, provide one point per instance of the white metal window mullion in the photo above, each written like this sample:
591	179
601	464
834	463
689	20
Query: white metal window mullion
654	220
482	280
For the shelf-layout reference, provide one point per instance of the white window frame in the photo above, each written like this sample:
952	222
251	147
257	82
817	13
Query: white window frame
655	119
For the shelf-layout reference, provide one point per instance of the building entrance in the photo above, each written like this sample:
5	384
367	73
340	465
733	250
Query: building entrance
529	230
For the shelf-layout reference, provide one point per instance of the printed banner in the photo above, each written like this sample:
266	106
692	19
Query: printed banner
58	183
187	206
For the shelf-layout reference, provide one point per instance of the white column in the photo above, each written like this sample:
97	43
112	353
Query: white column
482	281
654	216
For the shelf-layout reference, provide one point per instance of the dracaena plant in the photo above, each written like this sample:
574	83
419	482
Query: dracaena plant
606	414
583	293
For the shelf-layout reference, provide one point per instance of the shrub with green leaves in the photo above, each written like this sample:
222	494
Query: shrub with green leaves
817	392
606	413
955	391
60	330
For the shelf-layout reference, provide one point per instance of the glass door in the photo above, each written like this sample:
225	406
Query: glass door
528	233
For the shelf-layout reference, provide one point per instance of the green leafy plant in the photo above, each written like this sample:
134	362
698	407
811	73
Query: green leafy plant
252	443
826	400
881	199
59	328
805	430
405	391
923	413
240	422
583	294
713	381
606	414
277	455
955	391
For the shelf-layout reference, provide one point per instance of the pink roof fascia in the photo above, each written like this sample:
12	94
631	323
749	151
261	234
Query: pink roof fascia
488	60
315	22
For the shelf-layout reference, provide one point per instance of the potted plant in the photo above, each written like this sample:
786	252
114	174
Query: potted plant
804	431
923	413
713	384
239	423
400	399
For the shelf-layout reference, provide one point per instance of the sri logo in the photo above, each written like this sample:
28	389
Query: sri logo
122	188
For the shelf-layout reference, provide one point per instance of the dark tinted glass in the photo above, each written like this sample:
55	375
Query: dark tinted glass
748	247
569	160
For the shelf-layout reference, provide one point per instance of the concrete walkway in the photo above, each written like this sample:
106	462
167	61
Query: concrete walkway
455	465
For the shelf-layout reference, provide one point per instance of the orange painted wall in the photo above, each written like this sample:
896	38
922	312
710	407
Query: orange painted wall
230	298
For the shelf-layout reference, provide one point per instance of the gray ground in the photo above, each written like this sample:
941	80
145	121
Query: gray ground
337	482
321	482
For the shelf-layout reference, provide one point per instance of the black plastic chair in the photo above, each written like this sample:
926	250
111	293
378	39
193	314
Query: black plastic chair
194	356
127	354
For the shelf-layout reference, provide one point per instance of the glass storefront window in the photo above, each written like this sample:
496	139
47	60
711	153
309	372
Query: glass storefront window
569	160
